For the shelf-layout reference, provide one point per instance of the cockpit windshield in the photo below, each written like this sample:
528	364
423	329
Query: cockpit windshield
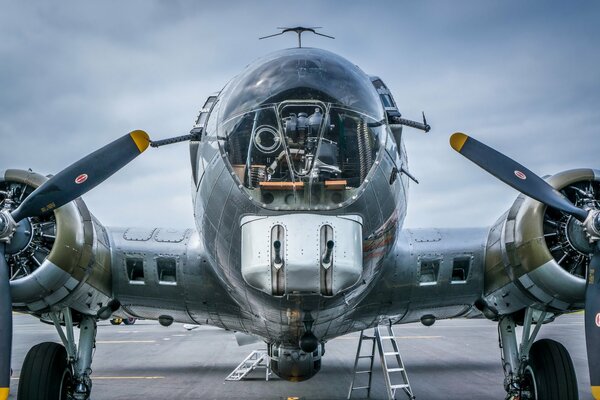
306	143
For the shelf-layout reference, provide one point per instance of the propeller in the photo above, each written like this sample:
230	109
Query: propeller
522	179
64	187
592	323
5	326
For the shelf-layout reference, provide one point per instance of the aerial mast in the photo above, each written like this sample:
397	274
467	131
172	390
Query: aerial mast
299	30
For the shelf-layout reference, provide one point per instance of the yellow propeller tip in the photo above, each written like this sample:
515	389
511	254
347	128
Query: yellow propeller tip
457	141
4	392
141	139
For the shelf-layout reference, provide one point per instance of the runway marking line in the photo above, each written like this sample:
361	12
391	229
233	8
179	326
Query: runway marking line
124	341
108	378
397	337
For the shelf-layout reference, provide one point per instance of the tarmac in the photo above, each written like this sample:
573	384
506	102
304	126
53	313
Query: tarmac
453	359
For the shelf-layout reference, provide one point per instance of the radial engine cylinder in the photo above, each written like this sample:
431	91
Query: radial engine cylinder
59	259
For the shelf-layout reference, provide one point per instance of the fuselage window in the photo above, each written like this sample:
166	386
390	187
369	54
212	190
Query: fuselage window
166	268
135	270
428	271
460	269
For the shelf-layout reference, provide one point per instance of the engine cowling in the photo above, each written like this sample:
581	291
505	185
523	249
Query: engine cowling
59	259
537	256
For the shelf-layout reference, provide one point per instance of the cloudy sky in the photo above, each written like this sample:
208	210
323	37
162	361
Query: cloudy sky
523	77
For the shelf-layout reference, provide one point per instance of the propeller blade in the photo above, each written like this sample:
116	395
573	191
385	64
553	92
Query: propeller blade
83	175
5	326
513	174
592	323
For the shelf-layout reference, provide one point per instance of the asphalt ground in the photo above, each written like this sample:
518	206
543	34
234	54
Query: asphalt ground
453	359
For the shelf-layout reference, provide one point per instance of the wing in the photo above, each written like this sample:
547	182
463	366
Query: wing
429	273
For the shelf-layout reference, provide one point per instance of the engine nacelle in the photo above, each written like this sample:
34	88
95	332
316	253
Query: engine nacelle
59	259
537	256
293	364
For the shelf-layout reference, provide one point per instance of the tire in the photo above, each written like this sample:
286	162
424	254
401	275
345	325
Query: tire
116	321
129	321
45	374
549	373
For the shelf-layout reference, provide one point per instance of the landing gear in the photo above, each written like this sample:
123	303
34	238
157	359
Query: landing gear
549	372
45	374
60	372
540	370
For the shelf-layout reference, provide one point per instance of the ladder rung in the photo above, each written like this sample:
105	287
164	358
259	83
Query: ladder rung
399	386
377	339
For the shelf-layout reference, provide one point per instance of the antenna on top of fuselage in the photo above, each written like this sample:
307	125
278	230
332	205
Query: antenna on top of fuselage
299	30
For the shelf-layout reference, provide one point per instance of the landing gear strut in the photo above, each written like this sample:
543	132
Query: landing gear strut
540	370
60	372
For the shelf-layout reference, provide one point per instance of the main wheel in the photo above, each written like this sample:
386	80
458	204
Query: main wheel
45	374
129	321
116	321
549	373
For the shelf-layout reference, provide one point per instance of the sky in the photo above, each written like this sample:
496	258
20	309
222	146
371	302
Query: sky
523	77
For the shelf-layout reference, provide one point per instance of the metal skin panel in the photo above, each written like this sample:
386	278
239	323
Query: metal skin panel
407	299
71	270
520	271
302	251
139	234
256	251
151	291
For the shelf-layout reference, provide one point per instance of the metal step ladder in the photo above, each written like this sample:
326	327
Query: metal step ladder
256	359
394	373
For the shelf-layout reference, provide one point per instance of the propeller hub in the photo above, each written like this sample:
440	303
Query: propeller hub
578	237
21	237
596	222
7	226
592	226
3	224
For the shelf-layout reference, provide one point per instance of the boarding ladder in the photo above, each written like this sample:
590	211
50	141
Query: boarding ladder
256	359
394	373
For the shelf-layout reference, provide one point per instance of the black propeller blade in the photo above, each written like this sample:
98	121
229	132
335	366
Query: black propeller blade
83	175
5	326
528	183
513	174
592	323
66	186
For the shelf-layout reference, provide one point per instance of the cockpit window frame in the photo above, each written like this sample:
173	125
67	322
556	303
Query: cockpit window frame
380	137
